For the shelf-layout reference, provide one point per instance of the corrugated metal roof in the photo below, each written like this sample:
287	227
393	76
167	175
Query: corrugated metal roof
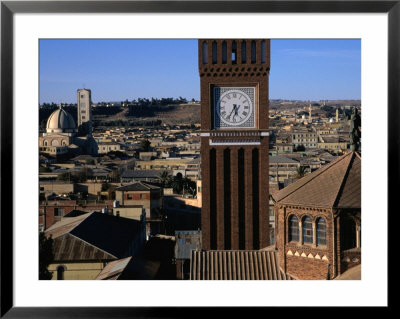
111	234
113	269
69	247
236	265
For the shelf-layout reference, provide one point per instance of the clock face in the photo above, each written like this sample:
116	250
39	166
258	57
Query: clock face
234	107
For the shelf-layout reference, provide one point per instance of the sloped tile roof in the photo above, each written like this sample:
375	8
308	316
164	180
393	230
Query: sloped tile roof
138	186
337	184
282	159
236	265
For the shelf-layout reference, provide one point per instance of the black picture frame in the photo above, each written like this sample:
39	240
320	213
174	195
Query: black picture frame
9	8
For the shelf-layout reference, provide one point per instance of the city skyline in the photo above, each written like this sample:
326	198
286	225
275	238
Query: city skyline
120	69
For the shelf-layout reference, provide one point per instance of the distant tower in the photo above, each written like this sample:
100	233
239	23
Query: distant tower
337	115
310	115
85	111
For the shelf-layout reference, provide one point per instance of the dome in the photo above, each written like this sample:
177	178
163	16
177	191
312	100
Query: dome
60	121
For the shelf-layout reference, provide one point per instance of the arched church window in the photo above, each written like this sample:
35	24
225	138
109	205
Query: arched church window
64	143
45	143
321	231
293	228
307	230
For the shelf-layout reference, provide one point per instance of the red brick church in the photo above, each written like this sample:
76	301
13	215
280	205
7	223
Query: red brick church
319	221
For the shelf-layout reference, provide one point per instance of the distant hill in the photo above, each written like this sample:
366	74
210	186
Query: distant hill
169	114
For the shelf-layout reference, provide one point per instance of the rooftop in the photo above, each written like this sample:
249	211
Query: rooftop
236	265
94	236
138	186
337	184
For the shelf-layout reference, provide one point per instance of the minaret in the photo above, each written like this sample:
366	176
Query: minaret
337	115
310	115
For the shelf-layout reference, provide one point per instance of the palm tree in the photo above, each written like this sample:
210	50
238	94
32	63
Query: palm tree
165	178
300	172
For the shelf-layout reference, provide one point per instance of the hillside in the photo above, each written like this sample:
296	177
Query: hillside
171	114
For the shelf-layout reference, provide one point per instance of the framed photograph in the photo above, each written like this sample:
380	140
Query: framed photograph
24	24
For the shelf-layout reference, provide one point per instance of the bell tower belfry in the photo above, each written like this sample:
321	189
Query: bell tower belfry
234	143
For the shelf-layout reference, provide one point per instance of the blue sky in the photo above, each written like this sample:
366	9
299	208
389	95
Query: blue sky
116	70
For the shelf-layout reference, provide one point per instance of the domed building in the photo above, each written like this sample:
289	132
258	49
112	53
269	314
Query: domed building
60	121
61	137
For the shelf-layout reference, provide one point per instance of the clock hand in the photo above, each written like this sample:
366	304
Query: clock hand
237	110
234	109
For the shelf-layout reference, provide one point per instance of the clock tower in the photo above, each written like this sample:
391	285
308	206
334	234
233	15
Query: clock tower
234	143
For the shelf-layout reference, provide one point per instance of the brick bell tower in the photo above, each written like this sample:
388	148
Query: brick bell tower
234	143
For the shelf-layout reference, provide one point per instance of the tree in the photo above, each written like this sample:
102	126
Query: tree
300	172
65	176
165	179
90	161
82	175
115	175
145	145
46	256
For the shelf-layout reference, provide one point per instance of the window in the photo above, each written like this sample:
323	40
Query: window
142	196
83	117
321	231
224	52
243	52
59	211
307	230
234	50
129	196
205	52
82	96
293	228
263	51
214	52
253	51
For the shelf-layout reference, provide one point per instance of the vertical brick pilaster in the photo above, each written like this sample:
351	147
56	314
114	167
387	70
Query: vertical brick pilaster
234	200
205	209
264	193
248	171
220	198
